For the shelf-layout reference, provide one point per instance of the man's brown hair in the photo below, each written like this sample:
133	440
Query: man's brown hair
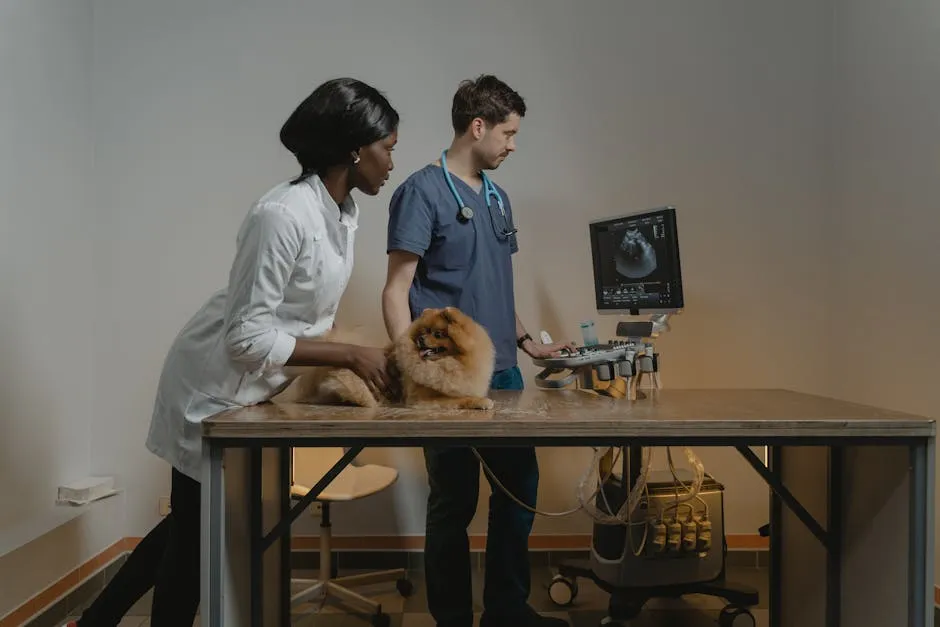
484	97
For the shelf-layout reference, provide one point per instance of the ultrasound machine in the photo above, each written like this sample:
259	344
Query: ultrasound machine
656	533
636	270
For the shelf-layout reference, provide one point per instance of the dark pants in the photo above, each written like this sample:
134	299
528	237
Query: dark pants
454	478
167	560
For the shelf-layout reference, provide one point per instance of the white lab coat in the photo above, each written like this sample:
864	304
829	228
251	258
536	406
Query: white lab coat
294	255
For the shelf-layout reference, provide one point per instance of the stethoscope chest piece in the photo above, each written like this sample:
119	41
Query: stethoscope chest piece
466	214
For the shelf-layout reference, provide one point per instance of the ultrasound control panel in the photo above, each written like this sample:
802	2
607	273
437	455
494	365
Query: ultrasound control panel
619	358
588	355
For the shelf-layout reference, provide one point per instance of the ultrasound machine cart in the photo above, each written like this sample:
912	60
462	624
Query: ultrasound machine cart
631	581
636	269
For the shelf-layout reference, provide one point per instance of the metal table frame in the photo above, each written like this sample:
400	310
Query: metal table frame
921	470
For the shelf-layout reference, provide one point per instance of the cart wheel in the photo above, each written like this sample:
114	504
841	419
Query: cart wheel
405	587
563	591
734	616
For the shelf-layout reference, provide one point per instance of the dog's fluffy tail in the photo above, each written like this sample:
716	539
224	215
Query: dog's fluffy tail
344	386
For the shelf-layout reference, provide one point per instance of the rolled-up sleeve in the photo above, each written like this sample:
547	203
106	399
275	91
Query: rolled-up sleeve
267	248
410	221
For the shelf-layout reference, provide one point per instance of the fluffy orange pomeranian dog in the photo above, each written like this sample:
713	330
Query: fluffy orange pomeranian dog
445	360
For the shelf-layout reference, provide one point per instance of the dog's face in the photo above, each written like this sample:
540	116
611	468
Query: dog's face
444	352
436	333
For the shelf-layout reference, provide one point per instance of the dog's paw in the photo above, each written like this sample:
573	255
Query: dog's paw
479	403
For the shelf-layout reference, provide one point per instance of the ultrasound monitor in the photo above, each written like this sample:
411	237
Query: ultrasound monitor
636	263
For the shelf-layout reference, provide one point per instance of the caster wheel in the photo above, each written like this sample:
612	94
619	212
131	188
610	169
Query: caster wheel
563	591
733	616
381	620
405	587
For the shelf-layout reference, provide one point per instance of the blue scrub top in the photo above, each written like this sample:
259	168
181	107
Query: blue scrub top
465	265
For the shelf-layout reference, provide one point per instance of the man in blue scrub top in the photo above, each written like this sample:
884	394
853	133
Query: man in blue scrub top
442	254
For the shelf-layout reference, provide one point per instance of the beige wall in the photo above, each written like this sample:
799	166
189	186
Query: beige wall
886	196
711	108
48	292
47	310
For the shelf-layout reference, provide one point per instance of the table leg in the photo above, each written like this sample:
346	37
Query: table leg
256	537
285	479
775	464
834	533
921	535
212	542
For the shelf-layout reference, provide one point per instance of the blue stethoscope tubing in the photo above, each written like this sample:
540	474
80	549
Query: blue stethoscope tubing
465	213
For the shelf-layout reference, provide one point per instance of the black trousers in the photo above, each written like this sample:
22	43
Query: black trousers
167	560
454	476
454	479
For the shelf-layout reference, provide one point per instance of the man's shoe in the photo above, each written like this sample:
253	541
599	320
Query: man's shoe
528	618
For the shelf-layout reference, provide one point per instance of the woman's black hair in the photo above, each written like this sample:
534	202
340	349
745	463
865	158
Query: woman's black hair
338	118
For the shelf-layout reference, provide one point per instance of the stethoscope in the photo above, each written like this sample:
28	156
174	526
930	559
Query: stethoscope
465	213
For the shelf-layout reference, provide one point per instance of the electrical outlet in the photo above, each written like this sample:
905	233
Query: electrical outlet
163	504
316	509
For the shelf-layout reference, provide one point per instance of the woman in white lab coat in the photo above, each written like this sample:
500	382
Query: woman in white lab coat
293	259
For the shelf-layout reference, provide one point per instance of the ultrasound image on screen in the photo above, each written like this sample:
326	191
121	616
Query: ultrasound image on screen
635	257
632	254
636	262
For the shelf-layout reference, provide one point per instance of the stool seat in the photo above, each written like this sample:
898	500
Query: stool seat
354	482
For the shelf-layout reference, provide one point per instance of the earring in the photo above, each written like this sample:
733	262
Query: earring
355	158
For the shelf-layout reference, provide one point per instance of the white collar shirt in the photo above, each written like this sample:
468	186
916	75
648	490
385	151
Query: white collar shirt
293	260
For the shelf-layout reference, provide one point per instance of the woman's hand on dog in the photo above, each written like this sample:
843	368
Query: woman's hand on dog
372	366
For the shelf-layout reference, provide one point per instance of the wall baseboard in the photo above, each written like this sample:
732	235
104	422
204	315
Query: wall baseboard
537	542
61	588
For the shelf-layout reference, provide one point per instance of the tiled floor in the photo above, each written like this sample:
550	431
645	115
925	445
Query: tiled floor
588	610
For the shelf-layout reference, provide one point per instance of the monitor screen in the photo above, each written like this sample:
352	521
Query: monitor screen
636	263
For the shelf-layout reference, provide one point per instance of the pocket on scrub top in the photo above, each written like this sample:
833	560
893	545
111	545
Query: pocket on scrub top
457	246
